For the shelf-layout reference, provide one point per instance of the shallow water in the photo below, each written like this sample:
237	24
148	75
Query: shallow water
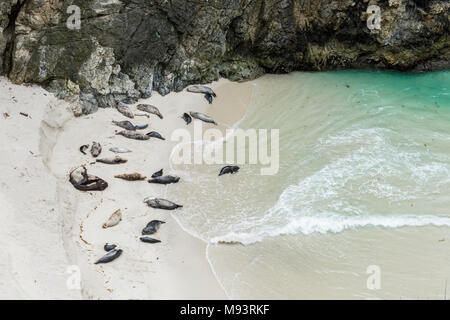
363	180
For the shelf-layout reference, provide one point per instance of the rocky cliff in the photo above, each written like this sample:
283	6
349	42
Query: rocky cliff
121	50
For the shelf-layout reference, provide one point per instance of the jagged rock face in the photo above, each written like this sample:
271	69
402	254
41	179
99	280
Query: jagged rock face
124	49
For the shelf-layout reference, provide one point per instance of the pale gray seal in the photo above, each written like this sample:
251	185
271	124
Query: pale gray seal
159	203
201	89
96	149
114	219
83	181
229	169
164	180
110	256
149	240
130	176
119	150
149	109
152	227
202	117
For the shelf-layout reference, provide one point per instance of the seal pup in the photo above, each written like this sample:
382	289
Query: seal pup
96	149
229	169
164	180
109	247
149	109
155	134
202	117
187	118
119	150
83	148
201	89
157	174
152	227
125	110
149	240
159	203
114	160
133	135
110	256
83	181
113	220
209	98
130	176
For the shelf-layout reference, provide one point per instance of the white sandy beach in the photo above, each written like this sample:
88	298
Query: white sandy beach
49	227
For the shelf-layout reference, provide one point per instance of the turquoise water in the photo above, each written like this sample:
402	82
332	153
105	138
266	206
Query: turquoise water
358	151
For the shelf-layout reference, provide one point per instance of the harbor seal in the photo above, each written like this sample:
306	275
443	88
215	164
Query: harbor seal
130	176
149	240
149	109
154	134
209	98
157	174
125	125
113	160
96	149
202	117
83	148
125	110
110	256
159	203
229	169
187	118
133	135
201	89
119	150
109	247
164	180
152	227
113	220
83	181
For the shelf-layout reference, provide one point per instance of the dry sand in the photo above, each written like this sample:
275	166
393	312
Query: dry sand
48	227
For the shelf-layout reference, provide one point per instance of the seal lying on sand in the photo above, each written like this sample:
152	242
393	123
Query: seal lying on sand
201	89
83	148
209	98
154	134
149	240
229	169
114	219
164	180
187	118
130	176
159	203
119	150
129	126
152	227
96	149
125	110
133	135
202	117
110	256
114	160
149	109
109	247
83	181
157	174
